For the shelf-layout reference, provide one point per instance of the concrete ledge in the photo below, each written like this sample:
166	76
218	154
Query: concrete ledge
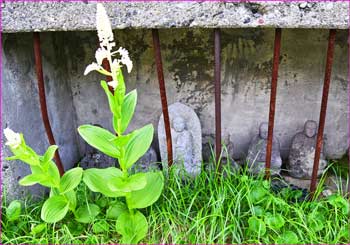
79	16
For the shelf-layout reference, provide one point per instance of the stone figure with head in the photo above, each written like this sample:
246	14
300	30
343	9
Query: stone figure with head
256	158
302	153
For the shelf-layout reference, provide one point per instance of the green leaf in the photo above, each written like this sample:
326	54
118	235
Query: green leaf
257	194
111	99
87	213
100	226
50	153
33	179
54	209
116	209
128	109
38	228
316	221
340	202
138	145
149	194
132	183
13	211
288	237
256	226
274	221
52	173
70	180
258	211
132	227
72	199
97	179
99	138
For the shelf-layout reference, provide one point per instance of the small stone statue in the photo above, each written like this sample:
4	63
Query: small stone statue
302	153
256	158
147	162
186	139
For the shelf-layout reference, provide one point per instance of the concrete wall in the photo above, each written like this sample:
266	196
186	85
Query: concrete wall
20	105
188	66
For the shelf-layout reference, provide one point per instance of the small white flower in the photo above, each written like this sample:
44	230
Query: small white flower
113	84
13	139
91	67
125	59
100	55
103	26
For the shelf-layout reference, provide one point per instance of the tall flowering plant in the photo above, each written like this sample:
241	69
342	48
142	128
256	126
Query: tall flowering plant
134	191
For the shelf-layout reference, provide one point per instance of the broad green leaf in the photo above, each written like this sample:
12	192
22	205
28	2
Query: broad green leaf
50	153
13	211
87	213
138	144
256	226
72	199
119	93
132	183
258	211
274	221
54	209
340	202
132	227
99	138
128	109
316	221
257	194
116	209
97	179
52	173
54	192
111	99
38	228
70	180
33	179
100	226
149	194
288	237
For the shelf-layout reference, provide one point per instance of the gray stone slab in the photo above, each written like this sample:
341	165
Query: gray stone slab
73	16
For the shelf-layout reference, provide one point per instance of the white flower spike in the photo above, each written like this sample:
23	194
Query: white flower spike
125	58
13	139
91	67
104	29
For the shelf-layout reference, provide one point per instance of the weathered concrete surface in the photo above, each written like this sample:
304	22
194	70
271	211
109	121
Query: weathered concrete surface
188	66
62	16
20	105
246	73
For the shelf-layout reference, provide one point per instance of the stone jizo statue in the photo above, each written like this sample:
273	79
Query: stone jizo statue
302	153
186	139
256	158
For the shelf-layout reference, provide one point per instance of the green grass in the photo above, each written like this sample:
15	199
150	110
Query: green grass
224	208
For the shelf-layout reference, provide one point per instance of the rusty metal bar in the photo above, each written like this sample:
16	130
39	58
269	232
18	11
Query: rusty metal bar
42	99
327	79
276	55
106	66
162	91
217	80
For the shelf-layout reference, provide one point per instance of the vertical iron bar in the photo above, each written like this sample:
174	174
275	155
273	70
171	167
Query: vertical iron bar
276	55
162	91
106	66
327	79
217	79
42	99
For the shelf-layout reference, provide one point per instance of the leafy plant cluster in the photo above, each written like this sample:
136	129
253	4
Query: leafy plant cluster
131	191
235	208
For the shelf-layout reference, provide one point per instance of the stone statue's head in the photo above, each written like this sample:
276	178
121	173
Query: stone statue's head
310	128
263	130
179	124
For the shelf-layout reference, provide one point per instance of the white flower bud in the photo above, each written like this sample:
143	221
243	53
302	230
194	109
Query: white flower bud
113	84
13	139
